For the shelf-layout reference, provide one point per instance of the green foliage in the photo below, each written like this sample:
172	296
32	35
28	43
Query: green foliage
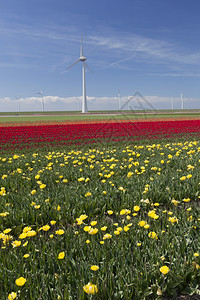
118	187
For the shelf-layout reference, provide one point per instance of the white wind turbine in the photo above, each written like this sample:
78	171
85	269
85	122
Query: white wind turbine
82	59
18	103
120	100
172	103
41	93
182	104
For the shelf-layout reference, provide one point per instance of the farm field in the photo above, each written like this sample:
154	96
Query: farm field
63	117
100	210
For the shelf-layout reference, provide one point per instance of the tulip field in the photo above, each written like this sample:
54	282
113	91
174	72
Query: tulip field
57	135
107	210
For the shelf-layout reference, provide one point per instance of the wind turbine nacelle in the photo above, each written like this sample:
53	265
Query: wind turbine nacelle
82	58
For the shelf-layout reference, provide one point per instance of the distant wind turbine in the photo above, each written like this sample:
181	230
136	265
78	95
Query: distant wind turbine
18	102
172	103
82	59
182	101
41	93
120	100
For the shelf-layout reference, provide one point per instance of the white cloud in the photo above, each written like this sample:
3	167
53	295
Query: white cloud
5	100
177	74
112	48
56	103
138	47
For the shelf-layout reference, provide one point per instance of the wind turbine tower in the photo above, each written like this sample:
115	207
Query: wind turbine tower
82	58
41	93
182	101
120	100
172	103
18	103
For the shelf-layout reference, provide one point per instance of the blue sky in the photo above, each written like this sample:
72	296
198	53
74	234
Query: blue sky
150	46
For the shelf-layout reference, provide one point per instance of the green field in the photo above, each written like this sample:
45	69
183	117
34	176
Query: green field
104	115
101	222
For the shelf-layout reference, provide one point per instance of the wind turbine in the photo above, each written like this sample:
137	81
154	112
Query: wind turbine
41	93
120	100
18	102
82	59
129	102
172	103
181	101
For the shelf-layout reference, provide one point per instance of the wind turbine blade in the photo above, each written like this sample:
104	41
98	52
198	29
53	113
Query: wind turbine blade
81	54
88	68
73	64
40	93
